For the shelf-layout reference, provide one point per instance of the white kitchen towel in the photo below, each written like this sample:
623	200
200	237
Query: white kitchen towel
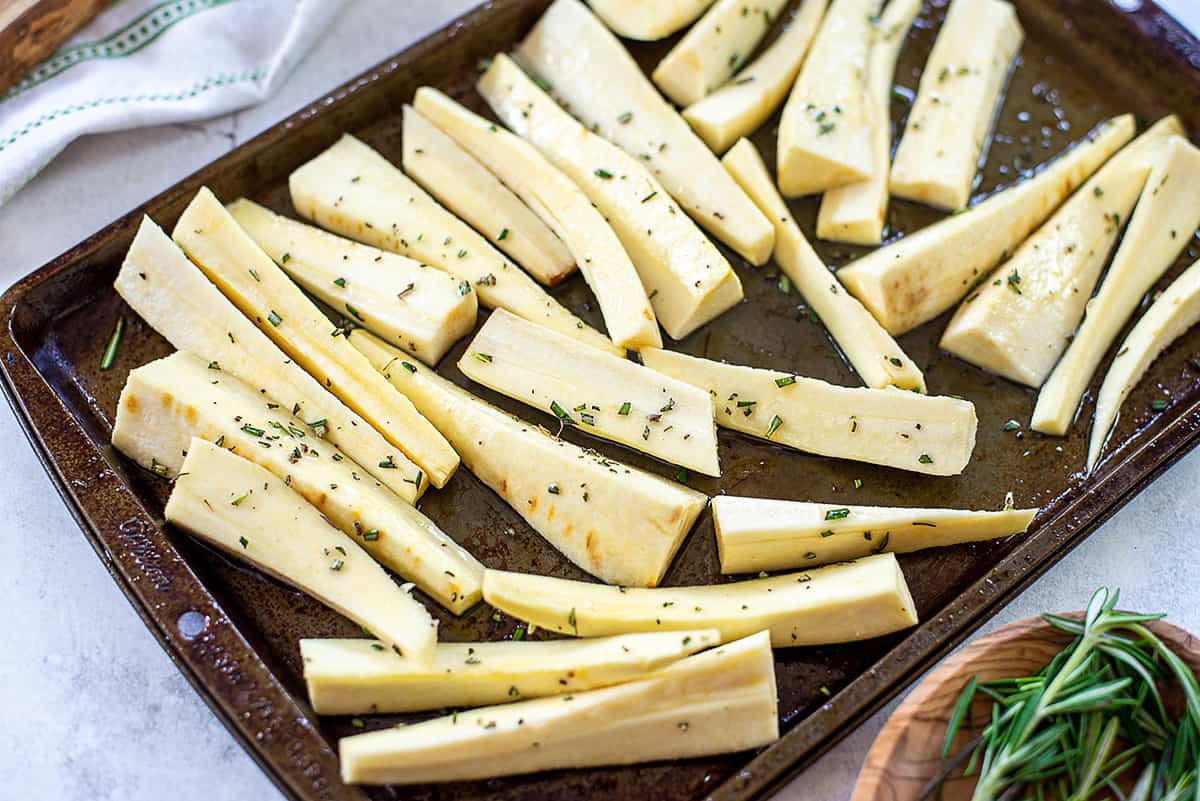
149	62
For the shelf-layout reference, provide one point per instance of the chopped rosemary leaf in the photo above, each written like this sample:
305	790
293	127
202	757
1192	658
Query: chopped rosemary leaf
774	425
682	475
388	463
600	172
837	514
253	431
110	350
625	409
409	366
786	381
503	235
486	358
274	319
354	312
925	458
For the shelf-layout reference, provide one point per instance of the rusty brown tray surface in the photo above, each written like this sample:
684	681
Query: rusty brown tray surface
233	632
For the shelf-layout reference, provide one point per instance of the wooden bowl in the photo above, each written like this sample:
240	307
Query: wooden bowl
907	752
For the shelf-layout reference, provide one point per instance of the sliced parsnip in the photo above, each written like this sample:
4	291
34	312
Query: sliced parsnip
835	604
1167	213
1019	322
855	213
615	522
756	534
688	280
714	48
353	677
561	204
354	191
716	702
873	353
173	296
892	427
956	104
600	83
247	276
602	394
407	303
921	275
1176	310
740	107
246	511
825	131
648	20
467	188
169	401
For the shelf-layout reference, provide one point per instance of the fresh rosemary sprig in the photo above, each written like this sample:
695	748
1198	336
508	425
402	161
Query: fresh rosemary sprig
1079	728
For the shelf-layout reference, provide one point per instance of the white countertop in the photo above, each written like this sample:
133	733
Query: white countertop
91	708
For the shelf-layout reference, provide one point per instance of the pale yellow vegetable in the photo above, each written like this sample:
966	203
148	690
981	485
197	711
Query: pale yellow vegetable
716	702
617	523
244	510
173	296
714	48
921	275
355	677
957	102
169	401
560	203
594	76
247	276
353	190
1167	213
648	20
840	603
1176	310
891	427
855	213
407	303
1020	320
604	395
875	356
740	107
688	280
825	132
756	534
467	188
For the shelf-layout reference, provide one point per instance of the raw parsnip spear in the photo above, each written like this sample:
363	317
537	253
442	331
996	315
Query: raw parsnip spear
173	296
407	303
1019	322
688	280
951	119
835	604
602	394
740	107
1175	311
825	131
1167	213
467	188
921	275
560	203
569	48
714	48
618	523
716	702
856	213
892	427
353	190
875	356
248	277
244	510
756	534
354	677
648	20
168	402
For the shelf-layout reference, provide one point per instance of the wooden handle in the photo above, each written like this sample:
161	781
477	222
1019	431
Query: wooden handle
31	30
907	752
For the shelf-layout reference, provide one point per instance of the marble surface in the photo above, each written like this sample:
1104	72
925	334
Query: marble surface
90	706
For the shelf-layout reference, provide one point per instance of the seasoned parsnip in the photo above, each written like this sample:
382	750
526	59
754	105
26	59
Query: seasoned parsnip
249	513
618	523
407	303
648	20
740	107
